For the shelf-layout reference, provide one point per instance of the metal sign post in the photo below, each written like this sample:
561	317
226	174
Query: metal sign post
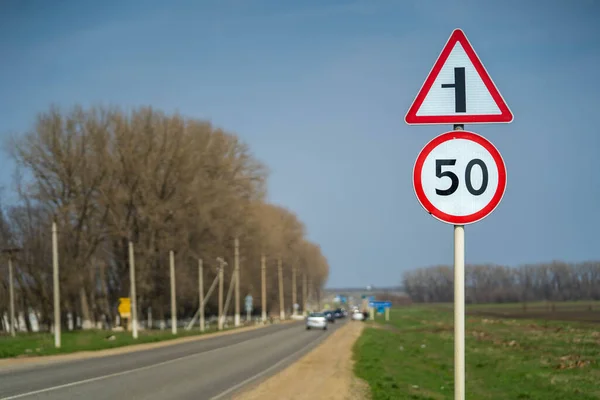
459	177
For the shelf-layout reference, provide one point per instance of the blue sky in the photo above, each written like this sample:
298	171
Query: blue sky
319	90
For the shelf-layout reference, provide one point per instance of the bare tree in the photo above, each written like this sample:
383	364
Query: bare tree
165	182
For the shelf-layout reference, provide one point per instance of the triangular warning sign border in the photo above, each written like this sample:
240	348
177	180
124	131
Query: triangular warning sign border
505	116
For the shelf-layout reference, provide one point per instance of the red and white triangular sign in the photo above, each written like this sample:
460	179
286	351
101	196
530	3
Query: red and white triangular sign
458	90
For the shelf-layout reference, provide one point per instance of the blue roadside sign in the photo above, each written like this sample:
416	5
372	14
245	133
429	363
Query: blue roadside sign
380	304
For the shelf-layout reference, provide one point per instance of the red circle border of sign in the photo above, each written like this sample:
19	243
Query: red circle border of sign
464	219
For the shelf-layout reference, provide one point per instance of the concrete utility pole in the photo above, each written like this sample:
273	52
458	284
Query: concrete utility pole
56	285
11	291
310	292
317	291
281	305
173	305
236	266
11	288
294	299
263	286
304	293
206	296
201	293
132	293
228	298
221	278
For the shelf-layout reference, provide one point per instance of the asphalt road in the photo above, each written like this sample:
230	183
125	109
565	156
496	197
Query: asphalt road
210	369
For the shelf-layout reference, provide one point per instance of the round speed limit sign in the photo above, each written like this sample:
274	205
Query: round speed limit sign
459	177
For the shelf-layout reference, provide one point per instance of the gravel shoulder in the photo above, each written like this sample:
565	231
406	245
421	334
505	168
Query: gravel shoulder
326	373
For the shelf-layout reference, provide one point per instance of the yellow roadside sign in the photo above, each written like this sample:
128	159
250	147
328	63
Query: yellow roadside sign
125	307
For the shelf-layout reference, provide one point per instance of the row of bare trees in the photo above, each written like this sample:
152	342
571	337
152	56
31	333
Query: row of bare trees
555	281
163	181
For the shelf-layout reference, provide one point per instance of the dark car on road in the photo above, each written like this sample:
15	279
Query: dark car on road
339	313
329	315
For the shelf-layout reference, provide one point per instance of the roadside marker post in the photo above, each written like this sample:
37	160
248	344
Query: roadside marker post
459	177
248	302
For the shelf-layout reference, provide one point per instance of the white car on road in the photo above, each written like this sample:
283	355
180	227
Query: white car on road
316	320
357	315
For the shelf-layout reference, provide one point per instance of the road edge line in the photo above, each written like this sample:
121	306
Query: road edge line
126	372
9	364
245	382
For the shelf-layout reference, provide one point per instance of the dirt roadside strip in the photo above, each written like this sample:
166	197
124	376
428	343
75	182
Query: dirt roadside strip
323	375
15	363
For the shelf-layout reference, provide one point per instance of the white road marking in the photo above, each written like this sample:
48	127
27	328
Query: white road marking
99	378
266	371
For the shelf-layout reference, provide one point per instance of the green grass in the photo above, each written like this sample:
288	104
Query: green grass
559	305
412	357
38	344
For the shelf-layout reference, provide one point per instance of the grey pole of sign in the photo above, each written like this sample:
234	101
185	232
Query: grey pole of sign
459	305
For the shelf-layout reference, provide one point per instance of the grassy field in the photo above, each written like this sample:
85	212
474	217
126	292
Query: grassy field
37	344
411	357
584	311
547	305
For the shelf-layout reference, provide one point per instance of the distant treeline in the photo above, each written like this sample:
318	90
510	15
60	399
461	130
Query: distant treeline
554	281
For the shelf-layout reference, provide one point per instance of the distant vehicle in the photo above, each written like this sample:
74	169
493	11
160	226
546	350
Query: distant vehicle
316	320
358	316
338	313
329	315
